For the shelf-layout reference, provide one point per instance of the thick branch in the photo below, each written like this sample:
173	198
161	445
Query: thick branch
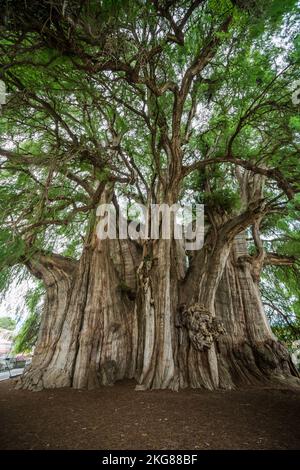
275	259
272	173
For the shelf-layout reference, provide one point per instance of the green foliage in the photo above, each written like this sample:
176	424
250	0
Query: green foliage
286	334
214	189
80	112
223	200
7	323
26	338
281	296
12	248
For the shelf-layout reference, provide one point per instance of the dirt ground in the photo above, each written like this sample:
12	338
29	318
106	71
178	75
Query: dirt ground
118	417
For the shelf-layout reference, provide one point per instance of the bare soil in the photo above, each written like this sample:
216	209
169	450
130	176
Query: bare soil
119	417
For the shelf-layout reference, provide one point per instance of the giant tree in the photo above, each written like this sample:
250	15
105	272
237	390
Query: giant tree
156	102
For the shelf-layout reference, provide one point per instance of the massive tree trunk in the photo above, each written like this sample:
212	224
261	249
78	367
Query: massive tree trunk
57	274
89	326
198	326
111	316
207	328
167	296
106	349
248	352
158	276
191	346
199	344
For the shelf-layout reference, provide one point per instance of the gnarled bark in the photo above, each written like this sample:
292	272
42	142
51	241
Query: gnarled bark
208	328
159	276
88	332
249	352
111	315
58	275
